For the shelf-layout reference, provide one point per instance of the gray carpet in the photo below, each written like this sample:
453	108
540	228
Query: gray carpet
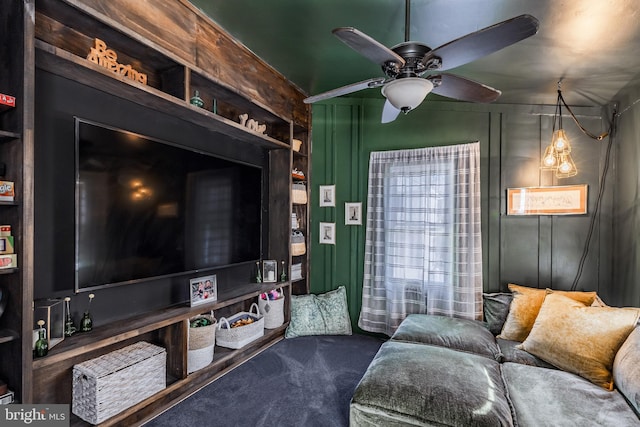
306	381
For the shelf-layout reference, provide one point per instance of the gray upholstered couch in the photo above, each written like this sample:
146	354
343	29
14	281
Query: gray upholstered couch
440	371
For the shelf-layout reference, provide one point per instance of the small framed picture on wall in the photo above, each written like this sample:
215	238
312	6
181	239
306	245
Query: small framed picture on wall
353	213
203	289
327	233
327	195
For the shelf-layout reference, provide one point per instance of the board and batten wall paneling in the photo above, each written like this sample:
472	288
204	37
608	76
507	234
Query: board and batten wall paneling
626	259
538	251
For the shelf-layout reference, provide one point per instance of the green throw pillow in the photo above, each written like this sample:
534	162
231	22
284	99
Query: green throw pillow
323	314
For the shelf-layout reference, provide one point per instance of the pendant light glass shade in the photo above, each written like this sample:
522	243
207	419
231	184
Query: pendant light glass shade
557	155
407	93
560	141
550	159
566	167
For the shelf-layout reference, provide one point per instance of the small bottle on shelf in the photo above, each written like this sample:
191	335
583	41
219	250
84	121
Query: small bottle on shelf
196	100
42	345
283	275
69	326
86	324
258	273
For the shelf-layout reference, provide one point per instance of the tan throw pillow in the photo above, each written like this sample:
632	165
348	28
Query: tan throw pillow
580	339
525	306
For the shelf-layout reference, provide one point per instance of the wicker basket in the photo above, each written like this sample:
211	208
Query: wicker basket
299	193
240	336
272	310
298	246
202	341
109	384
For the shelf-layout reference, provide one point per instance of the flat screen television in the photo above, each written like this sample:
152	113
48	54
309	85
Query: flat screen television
147	208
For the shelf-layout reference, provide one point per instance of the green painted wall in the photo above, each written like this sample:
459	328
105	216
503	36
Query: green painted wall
534	251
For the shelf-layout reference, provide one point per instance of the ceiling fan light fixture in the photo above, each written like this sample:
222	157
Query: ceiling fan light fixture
407	93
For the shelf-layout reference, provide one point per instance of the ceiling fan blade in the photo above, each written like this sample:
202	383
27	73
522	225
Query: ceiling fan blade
457	87
367	46
354	87
483	42
389	112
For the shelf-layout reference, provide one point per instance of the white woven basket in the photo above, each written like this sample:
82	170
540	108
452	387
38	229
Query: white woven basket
202	342
240	336
109	384
272	310
299	193
298	246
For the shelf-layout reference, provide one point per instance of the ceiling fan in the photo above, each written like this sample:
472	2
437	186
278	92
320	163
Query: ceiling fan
413	69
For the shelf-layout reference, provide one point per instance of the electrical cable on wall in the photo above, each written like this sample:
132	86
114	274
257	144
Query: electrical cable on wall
610	132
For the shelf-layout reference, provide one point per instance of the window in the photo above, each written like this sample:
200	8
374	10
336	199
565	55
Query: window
423	244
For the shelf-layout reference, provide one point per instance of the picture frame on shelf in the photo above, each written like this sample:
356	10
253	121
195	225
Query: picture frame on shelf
353	213
327	233
203	290
327	196
269	271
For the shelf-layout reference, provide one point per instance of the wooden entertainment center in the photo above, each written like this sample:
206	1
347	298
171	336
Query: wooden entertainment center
179	51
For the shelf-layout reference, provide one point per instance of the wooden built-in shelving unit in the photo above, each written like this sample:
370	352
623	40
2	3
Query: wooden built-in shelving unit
181	51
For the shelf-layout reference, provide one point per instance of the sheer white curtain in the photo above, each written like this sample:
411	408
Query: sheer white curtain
423	250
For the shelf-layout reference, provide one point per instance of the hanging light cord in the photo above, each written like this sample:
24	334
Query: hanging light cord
605	169
575	119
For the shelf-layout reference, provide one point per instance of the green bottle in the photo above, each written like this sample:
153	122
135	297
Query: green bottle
196	100
42	346
86	324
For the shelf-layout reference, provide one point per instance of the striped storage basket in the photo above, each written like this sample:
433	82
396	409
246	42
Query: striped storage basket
109	384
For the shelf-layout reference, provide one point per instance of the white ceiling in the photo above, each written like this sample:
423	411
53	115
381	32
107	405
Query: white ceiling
592	45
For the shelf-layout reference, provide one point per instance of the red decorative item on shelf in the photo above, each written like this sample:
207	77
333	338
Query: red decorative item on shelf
297	174
7	100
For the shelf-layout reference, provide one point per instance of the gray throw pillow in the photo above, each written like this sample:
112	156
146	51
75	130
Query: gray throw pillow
626	369
323	314
496	309
466	335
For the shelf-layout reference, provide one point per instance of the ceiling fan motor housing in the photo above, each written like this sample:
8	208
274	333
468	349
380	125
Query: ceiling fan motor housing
414	54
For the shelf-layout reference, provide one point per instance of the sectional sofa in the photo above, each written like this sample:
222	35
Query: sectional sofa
574	362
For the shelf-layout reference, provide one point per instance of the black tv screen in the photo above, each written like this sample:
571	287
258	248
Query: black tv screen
147	208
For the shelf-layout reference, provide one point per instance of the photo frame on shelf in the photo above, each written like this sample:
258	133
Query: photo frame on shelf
203	289
327	196
353	213
327	233
269	271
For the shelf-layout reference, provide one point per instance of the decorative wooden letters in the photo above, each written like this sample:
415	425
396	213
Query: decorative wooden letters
108	59
252	124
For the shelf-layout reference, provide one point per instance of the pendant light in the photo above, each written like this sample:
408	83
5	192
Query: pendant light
557	155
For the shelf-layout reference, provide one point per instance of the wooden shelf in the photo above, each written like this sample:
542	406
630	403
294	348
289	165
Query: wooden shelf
7	335
224	361
68	65
180	50
8	136
107	335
